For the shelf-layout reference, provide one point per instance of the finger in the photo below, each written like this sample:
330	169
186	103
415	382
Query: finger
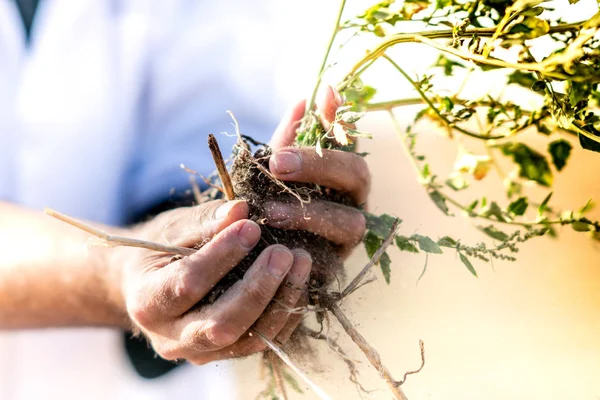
190	226
336	169
285	134
221	324
328	101
278	312
171	291
338	223
293	321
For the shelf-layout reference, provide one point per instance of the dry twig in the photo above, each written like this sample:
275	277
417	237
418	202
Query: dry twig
374	260
112	240
367	349
221	168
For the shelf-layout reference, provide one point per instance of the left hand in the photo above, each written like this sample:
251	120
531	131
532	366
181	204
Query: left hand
339	170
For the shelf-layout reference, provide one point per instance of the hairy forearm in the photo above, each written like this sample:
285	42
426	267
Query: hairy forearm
50	277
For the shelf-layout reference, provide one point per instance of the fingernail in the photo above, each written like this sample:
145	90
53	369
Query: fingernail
223	210
286	162
249	234
337	96
280	262
303	265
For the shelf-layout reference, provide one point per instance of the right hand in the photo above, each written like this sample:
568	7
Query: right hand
160	292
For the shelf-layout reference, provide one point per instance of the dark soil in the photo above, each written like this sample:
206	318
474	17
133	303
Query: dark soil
256	188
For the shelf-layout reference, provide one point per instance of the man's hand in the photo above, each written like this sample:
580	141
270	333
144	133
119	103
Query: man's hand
340	170
161	294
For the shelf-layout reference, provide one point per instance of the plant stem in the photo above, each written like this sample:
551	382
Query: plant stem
426	36
367	349
434	108
374	260
217	156
310	104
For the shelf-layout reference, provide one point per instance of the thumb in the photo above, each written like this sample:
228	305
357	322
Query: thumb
285	134
190	226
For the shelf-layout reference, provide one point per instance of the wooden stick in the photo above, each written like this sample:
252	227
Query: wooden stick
213	146
374	260
112	240
367	349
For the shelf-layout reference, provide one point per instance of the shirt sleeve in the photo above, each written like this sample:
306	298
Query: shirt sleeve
204	58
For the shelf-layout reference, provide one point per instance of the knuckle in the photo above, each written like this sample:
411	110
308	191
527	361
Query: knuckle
258	292
199	361
185	286
362	174
223	334
358	226
140	313
206	211
170	353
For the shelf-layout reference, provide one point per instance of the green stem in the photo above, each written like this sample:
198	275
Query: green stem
336	29
429	185
434	108
585	133
426	36
391	104
402	137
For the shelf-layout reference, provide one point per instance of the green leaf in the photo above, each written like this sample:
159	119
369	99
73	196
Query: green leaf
589	205
532	165
467	264
447	241
544	204
447	64
519	206
529	28
384	264
588	143
439	201
457	182
359	94
525	79
579	226
351	117
494	210
427	245
538	86
372	243
472	206
404	244
380	225
494	233
560	150
533	12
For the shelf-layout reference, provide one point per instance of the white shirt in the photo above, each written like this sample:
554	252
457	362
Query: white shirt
95	118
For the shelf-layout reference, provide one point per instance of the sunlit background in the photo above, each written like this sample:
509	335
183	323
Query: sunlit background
523	330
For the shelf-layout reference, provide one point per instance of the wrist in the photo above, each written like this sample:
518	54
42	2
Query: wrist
111	265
